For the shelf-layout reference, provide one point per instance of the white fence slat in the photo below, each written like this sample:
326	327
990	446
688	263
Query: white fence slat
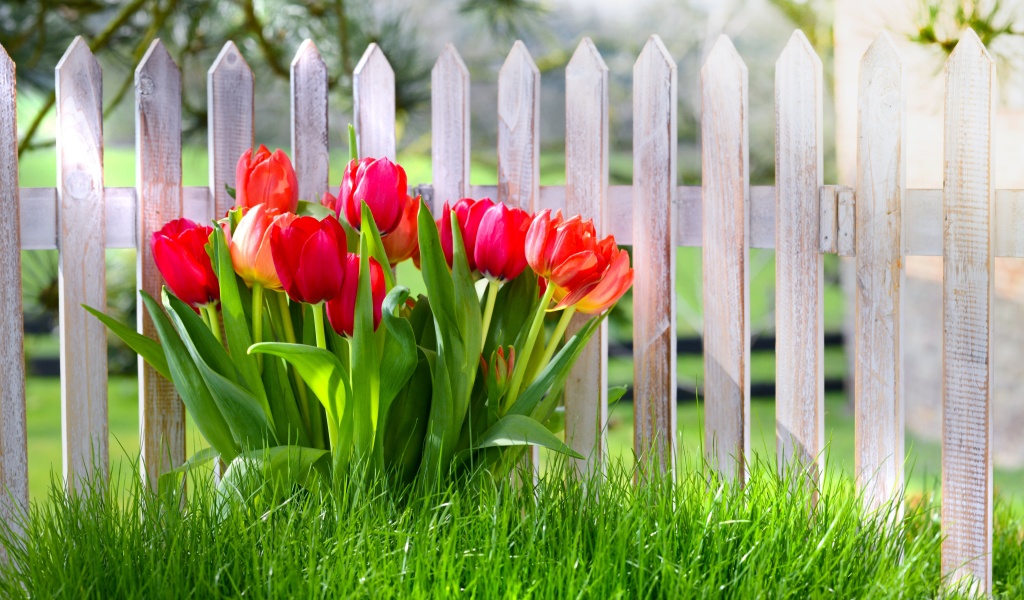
654	254
881	187
229	97
847	230
309	121
373	86
967	316
449	110
82	269
13	447
159	200
586	193
828	211
519	130
799	289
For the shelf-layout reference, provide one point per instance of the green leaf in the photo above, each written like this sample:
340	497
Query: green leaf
398	360
615	393
283	466
517	300
518	430
169	483
149	349
288	422
320	369
366	353
313	209
406	422
376	247
190	385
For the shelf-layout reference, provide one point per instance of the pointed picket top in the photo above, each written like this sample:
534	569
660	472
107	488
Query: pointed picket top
518	130
798	53
882	51
230	91
310	145
654	55
78	57
307	52
229	59
449	110
451	61
154	70
969	50
6	63
517	61
723	60
586	59
373	86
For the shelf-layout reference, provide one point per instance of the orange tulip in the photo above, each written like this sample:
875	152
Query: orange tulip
403	242
249	245
565	253
262	177
617	278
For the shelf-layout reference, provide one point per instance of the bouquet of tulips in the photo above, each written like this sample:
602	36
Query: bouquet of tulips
420	388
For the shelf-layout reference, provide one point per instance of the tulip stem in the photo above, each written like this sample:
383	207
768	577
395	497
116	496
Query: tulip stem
523	360
563	324
213	320
289	336
492	295
257	319
318	321
353	153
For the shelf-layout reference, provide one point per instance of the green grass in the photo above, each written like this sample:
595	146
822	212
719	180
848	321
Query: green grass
687	538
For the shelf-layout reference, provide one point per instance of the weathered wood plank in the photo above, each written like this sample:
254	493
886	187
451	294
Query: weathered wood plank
847	236
881	187
967	316
725	174
586	193
309	121
449	110
229	96
82	268
519	130
799	289
159	198
13	440
654	255
828	216
373	87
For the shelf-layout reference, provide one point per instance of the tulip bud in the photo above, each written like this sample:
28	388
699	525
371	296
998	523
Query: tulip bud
249	245
403	242
381	184
266	178
342	309
179	251
469	213
330	202
307	256
499	251
497	374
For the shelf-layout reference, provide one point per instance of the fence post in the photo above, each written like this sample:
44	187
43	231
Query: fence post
881	189
799	290
449	114
519	149
310	143
373	86
81	240
13	447
229	96
967	205
159	198
586	193
654	257
725	174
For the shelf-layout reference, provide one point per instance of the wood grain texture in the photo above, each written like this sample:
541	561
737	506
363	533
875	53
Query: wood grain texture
799	287
586	193
309	121
373	89
828	212
519	129
654	256
881	187
13	440
229	97
449	113
967	316
81	239
159	200
725	174
847	229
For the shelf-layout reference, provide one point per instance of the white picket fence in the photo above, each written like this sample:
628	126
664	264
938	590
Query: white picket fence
967	222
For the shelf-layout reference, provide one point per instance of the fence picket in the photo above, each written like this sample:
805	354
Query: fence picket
881	188
82	271
309	121
586	193
373	87
13	441
725	175
159	199
967	203
229	95
449	110
799	289
654	255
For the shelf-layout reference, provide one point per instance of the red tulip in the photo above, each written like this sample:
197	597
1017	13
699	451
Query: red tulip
179	251
342	309
329	201
403	242
307	256
617	278
469	213
565	253
379	182
499	251
266	178
250	244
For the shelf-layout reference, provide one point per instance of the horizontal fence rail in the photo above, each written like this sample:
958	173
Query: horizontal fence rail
878	221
